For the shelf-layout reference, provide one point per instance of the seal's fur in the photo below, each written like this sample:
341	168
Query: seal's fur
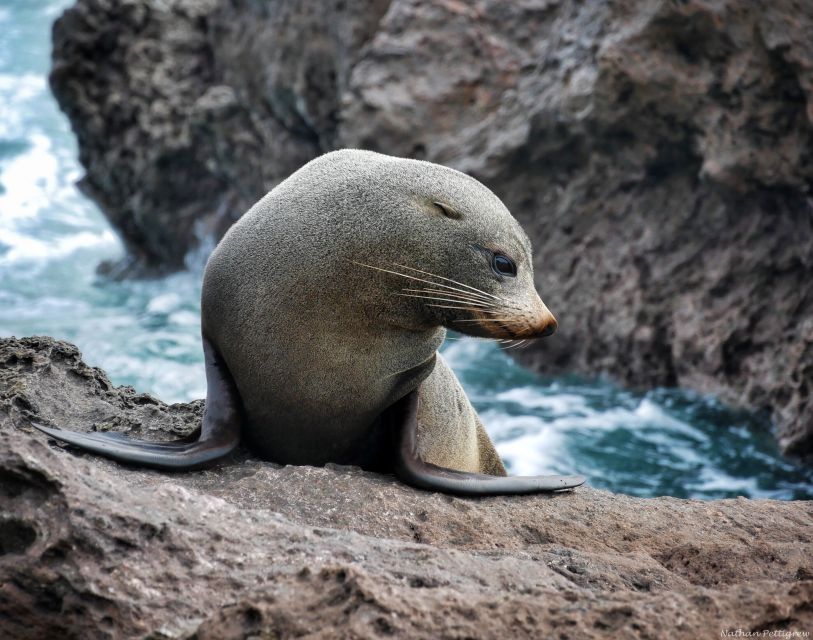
318	345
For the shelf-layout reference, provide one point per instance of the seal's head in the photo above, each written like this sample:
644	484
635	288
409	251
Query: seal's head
447	251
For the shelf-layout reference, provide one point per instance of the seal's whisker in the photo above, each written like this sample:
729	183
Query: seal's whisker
478	310
404	275
486	319
411	295
459	301
434	275
505	308
462	296
514	346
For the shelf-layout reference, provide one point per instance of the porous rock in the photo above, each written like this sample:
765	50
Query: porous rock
249	549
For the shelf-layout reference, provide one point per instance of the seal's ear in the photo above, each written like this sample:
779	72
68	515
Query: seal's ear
447	211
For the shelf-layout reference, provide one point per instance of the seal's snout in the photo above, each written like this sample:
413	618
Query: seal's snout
544	323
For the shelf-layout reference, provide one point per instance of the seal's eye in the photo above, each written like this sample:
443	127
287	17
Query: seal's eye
447	211
503	265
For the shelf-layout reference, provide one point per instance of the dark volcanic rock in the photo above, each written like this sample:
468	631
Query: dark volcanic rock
659	153
91	549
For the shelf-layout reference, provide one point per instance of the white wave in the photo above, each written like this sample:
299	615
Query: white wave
23	248
532	443
164	303
28	181
21	86
185	318
460	353
681	455
535	398
649	412
710	480
531	454
19	97
165	378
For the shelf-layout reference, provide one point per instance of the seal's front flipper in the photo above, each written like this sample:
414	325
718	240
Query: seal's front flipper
220	432
160	455
402	417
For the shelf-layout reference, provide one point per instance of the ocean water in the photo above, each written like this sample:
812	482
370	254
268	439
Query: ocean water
146	333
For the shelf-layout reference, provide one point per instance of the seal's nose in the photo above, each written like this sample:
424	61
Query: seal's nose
545	324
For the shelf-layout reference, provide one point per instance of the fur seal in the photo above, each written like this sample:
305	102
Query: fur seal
322	311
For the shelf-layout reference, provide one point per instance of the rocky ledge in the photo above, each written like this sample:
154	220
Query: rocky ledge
91	549
657	152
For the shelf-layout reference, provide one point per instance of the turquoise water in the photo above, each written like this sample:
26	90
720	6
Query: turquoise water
146	333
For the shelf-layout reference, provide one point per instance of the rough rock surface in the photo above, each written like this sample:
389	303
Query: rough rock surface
91	549
659	153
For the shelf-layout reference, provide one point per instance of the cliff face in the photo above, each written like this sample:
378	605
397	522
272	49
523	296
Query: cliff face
658	153
91	549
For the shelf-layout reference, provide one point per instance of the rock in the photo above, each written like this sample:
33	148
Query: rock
89	548
657	152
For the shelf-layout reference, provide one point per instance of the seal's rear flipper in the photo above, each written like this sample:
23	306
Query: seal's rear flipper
403	418
220	433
